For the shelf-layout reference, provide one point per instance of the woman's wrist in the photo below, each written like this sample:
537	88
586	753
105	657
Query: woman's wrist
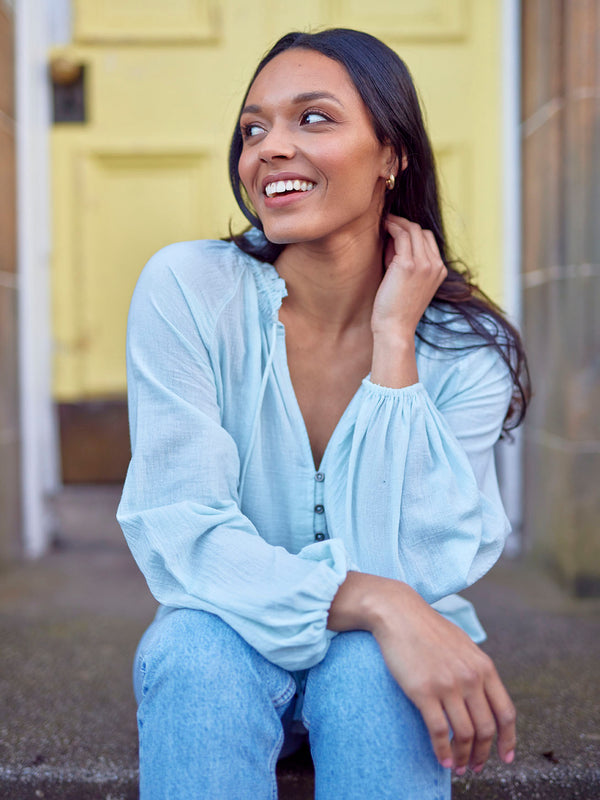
394	361
366	602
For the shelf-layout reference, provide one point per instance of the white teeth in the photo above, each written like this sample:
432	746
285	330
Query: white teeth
279	187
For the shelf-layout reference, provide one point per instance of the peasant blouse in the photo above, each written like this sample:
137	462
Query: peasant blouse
223	508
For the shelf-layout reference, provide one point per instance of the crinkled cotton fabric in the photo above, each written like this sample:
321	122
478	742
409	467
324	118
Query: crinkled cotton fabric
223	507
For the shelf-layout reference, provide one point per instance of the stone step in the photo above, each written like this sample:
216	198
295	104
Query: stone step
69	625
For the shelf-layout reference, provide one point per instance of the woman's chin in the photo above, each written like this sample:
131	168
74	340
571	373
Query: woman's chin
278	235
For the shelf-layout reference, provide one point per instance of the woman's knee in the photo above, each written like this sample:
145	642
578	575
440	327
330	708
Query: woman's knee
199	653
351	681
184	645
208	717
353	663
367	737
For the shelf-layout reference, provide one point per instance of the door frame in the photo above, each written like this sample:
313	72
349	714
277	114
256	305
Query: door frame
510	453
38	25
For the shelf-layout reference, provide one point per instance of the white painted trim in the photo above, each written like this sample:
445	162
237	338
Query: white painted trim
39	452
511	155
59	21
510	455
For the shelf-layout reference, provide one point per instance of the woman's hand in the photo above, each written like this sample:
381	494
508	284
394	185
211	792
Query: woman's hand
414	271
450	680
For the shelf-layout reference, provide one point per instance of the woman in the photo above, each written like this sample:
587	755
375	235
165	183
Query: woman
313	409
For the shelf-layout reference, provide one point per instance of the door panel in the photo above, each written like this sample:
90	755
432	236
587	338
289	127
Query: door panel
148	185
145	21
423	21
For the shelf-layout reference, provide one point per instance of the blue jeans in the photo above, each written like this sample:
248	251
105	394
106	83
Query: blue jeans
213	714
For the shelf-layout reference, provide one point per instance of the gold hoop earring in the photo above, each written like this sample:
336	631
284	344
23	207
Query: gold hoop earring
391	182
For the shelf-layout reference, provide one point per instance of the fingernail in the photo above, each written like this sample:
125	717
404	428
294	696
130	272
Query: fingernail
478	768
509	757
460	771
447	763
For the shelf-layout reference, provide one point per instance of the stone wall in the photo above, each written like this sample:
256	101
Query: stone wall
9	430
561	301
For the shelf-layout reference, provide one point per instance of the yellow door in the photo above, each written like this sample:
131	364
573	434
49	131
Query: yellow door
162	83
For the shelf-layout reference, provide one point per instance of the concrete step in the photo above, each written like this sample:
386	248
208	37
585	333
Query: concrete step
69	625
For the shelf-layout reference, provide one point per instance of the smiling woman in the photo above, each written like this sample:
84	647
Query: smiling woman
328	137
313	411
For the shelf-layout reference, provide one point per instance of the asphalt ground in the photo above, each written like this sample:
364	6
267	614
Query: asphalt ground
70	622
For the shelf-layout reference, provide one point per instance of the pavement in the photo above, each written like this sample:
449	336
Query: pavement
70	622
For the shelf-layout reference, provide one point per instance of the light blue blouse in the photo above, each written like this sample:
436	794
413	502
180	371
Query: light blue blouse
222	506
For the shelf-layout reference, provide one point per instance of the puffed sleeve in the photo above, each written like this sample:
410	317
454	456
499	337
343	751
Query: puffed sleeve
179	510
420	501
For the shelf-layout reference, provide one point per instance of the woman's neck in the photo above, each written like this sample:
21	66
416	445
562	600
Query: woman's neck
332	286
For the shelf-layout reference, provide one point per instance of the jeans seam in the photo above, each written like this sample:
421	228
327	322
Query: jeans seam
285	695
273	764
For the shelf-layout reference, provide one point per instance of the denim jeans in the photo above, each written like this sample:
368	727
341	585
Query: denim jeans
213	714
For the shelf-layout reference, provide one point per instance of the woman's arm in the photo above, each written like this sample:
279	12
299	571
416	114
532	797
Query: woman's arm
412	489
414	271
180	510
450	680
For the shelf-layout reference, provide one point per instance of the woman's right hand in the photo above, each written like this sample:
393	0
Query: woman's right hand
451	681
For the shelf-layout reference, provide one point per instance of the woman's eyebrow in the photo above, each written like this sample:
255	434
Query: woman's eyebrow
308	97
305	97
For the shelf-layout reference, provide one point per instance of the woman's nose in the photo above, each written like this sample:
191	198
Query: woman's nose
277	143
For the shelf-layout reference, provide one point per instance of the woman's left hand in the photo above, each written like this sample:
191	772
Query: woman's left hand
414	272
451	681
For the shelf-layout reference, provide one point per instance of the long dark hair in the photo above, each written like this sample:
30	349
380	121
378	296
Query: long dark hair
387	90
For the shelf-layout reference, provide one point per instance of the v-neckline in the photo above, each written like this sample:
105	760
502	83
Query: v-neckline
306	444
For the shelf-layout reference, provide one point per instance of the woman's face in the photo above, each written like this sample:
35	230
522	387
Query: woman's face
311	163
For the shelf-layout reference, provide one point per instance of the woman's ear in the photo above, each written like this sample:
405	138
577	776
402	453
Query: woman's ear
392	162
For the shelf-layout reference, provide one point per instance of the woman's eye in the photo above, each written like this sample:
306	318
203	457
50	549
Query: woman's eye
310	117
252	129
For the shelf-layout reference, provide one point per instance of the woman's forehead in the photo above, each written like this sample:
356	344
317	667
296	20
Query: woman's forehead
300	71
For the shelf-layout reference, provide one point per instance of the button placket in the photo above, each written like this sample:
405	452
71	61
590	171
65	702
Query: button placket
319	520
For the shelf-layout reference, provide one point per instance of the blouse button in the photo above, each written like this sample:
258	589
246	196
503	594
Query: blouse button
319	477
319	537
319	509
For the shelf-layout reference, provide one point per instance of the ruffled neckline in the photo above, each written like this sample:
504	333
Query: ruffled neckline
271	288
269	283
